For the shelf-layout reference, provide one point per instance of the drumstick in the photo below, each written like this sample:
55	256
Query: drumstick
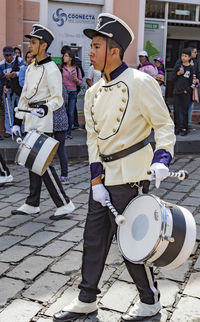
181	174
119	219
21	110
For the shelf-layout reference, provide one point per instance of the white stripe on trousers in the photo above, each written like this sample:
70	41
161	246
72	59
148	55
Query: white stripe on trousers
151	283
56	186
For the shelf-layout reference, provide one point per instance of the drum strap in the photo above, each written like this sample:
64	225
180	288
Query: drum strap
125	152
34	151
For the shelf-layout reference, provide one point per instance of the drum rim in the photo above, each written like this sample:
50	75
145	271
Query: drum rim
153	251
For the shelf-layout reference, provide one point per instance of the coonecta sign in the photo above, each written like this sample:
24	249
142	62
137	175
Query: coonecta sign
60	17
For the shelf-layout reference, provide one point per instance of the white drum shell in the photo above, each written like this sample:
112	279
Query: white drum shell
44	155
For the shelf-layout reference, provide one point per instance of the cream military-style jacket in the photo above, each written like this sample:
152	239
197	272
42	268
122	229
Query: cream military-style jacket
43	82
121	113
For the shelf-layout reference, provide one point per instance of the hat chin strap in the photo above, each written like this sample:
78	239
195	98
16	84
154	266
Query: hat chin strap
105	60
37	51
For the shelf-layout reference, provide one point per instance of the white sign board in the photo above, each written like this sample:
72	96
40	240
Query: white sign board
67	21
154	38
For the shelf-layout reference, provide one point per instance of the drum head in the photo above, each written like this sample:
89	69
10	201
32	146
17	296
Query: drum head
140	233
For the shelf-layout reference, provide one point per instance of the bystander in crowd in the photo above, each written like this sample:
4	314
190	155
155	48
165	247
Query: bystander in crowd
159	63
183	77
146	66
93	76
5	176
9	72
72	78
60	126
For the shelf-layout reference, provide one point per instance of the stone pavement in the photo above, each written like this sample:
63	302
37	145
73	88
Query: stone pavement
40	259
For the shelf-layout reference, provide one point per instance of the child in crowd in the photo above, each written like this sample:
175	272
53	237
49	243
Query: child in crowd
158	62
183	76
161	81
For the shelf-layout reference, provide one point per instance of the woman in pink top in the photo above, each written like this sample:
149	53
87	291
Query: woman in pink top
72	78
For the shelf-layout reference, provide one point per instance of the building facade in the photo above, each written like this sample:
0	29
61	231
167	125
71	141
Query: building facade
67	19
161	27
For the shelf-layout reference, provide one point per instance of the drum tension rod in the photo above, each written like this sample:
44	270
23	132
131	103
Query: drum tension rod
168	238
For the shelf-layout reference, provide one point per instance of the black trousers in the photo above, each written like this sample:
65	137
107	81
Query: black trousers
99	231
3	167
53	185
181	104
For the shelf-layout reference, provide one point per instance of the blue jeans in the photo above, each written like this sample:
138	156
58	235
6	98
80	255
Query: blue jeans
60	136
10	103
191	105
72	99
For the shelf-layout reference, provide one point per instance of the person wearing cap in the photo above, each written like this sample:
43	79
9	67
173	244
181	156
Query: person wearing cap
158	62
146	66
41	94
120	111
9	72
161	81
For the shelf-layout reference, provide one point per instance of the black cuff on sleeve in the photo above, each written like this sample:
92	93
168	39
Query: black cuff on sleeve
17	121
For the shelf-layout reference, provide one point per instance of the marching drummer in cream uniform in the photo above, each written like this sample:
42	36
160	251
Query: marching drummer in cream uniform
42	94
120	111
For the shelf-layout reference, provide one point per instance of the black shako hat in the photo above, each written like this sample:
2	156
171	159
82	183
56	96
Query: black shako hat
42	33
112	27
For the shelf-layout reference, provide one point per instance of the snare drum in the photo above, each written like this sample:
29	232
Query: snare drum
36	151
156	232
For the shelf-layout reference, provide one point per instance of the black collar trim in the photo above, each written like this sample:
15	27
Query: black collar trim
43	61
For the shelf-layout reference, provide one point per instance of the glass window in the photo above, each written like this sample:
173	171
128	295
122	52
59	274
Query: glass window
181	11
155	9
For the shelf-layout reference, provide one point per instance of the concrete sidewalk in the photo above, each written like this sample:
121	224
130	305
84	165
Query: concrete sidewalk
76	148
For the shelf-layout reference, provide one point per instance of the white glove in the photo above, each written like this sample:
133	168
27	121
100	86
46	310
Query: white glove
100	194
38	112
16	130
159	172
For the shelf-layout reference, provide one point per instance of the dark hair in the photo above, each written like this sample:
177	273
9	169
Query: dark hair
44	42
113	44
186	51
70	53
20	52
65	49
28	52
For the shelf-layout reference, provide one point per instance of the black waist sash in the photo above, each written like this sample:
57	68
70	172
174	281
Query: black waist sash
125	152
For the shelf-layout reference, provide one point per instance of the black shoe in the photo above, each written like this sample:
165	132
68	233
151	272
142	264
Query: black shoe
62	316
53	217
127	318
183	132
18	212
176	131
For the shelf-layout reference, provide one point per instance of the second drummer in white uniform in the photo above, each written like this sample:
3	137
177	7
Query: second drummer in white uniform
120	111
42	92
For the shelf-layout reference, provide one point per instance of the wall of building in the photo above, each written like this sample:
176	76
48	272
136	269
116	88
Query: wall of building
31	15
2	26
131	17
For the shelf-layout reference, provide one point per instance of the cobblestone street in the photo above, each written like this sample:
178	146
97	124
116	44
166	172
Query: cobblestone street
40	259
